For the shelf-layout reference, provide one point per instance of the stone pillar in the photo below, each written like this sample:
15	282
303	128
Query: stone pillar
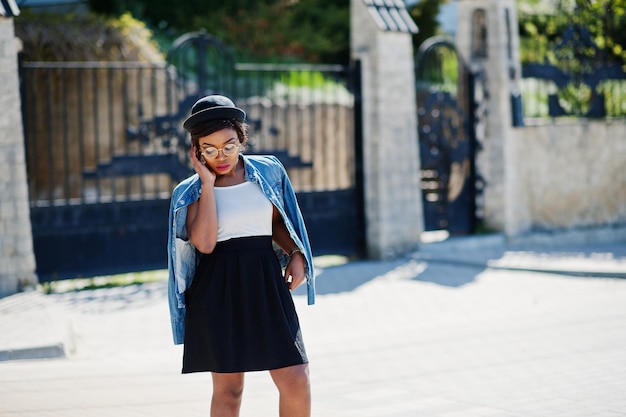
381	40
17	259
488	39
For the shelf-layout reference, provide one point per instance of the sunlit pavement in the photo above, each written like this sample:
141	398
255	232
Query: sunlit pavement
431	334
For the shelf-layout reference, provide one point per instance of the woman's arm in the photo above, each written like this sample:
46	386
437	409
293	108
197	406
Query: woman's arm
202	214
295	270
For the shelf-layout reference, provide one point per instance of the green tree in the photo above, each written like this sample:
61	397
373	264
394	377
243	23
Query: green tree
322	27
304	30
425	13
85	37
541	29
578	37
606	21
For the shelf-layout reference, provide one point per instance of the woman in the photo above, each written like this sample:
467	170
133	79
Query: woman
231	226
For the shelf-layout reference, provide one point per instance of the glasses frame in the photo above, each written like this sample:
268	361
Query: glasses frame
203	151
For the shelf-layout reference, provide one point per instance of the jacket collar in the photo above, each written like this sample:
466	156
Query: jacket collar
189	190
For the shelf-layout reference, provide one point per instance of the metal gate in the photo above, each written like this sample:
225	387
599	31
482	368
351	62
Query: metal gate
447	137
105	147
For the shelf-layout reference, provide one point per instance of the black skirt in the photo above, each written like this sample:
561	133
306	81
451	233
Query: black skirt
240	314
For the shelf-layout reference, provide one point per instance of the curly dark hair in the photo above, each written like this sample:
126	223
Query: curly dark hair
212	126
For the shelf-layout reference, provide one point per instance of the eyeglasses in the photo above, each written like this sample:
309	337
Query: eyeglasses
212	152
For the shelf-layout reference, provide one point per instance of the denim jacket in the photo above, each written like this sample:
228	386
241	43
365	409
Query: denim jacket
269	173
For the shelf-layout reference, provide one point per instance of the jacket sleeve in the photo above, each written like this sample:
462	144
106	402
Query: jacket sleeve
177	250
294	215
176	312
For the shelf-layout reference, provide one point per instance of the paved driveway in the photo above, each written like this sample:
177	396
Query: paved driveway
404	338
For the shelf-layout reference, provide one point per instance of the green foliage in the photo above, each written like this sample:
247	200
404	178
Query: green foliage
109	281
542	40
440	70
604	19
575	98
310	79
306	86
614	92
85	37
258	30
425	13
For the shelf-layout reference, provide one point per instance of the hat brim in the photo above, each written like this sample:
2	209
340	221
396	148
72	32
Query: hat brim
214	113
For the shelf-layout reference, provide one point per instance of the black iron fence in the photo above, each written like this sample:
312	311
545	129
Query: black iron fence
105	147
448	109
305	115
112	131
566	73
79	120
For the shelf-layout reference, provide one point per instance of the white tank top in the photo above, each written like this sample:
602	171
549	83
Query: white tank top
242	210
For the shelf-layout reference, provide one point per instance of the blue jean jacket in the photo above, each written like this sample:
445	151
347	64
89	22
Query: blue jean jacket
269	173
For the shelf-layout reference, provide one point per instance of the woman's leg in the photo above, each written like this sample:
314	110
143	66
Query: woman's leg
227	393
294	389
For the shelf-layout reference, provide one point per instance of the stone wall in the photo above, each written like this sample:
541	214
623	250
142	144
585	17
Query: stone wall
491	45
568	174
17	260
551	175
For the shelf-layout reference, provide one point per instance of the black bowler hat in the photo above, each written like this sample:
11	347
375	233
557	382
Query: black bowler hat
211	108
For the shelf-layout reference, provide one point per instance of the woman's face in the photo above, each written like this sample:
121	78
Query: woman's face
220	151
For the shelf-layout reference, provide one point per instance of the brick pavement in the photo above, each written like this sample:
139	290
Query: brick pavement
409	337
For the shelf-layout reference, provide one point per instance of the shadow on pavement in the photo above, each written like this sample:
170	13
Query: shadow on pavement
449	275
108	300
349	276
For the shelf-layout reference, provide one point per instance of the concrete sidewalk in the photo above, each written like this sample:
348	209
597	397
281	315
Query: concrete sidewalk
568	254
464	327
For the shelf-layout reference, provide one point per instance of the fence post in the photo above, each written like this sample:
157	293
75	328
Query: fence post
17	259
381	41
488	39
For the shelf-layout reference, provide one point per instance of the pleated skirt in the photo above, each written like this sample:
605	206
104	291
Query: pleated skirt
240	313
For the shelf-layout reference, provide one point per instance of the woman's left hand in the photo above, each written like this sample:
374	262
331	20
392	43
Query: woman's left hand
294	273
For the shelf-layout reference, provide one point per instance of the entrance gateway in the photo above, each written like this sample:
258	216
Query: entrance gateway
105	147
448	103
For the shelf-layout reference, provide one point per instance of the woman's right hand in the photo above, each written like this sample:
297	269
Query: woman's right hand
206	175
202	214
